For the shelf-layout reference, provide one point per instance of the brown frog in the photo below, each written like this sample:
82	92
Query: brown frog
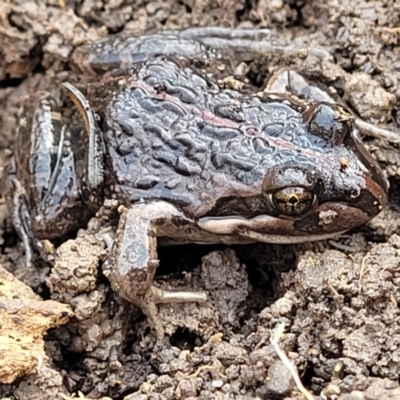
190	154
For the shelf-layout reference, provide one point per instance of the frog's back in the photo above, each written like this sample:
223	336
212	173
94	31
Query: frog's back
175	135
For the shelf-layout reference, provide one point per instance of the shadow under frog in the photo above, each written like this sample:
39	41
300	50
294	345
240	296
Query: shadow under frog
188	157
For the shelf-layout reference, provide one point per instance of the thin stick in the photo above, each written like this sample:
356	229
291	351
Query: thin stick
276	334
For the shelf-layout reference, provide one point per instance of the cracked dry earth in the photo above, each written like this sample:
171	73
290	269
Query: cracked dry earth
337	300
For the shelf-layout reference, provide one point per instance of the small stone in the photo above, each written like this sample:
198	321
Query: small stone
280	379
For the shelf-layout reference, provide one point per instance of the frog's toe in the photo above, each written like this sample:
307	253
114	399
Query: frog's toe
167	296
148	305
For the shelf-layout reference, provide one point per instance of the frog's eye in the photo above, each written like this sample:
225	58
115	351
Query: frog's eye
293	201
331	122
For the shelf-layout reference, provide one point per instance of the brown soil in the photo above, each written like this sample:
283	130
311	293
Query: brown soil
338	300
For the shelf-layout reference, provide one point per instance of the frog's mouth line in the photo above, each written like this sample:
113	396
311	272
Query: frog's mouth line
328	220
284	239
249	236
239	230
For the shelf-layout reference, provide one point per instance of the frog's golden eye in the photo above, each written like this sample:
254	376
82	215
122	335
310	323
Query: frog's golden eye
293	201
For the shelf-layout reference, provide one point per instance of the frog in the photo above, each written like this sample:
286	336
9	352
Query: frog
164	126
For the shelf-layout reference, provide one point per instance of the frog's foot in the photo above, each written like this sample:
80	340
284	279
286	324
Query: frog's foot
286	81
133	260
154	295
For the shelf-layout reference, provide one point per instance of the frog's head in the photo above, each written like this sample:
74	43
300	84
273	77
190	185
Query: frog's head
333	186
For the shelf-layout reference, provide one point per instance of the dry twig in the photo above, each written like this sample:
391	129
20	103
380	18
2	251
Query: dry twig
276	334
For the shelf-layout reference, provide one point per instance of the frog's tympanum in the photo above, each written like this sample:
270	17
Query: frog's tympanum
191	154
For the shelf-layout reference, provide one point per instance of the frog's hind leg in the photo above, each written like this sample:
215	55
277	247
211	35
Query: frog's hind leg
40	177
134	259
286	81
248	44
95	152
122	53
193	43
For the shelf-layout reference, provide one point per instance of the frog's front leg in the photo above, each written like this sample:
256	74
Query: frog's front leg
133	259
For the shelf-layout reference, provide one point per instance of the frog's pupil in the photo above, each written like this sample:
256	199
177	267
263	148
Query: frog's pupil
293	201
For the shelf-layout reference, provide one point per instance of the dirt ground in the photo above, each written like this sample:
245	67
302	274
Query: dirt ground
337	301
